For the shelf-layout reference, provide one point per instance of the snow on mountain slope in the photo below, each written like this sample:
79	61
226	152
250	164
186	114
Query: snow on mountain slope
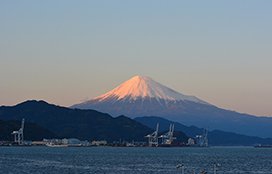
142	96
145	87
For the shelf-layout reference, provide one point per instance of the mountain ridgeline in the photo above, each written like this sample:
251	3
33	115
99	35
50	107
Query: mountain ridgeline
215	137
68	123
45	120
142	96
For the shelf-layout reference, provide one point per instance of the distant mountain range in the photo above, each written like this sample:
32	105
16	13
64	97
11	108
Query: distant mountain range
215	137
73	123
142	96
45	120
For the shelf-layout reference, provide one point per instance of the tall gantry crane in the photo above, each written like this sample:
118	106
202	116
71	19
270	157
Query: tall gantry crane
168	138
19	135
153	138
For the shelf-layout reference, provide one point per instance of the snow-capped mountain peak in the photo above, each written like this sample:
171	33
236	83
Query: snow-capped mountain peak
141	96
145	87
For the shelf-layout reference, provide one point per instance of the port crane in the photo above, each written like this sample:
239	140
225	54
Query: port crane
153	138
202	140
19	135
168	138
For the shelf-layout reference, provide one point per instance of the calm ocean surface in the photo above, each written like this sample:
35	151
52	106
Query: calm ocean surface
119	160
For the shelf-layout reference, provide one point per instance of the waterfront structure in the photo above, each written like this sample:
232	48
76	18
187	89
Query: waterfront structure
168	138
65	142
99	143
202	140
191	142
19	135
153	138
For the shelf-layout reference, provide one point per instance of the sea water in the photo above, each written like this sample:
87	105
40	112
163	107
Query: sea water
126	160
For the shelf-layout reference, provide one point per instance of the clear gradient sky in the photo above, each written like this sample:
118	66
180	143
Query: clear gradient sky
65	51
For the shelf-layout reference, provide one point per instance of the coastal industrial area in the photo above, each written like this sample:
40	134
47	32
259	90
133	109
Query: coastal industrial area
135	87
154	139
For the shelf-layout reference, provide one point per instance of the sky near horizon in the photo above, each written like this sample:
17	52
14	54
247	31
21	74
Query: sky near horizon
67	51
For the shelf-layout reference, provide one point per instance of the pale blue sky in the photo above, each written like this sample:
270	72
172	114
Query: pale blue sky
67	51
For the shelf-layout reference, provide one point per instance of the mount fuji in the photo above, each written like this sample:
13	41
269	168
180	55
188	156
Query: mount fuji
142	96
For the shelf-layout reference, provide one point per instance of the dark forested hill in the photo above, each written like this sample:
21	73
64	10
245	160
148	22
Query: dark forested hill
82	124
32	131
